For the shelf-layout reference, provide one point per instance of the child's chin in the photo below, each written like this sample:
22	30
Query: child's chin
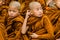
39	16
11	16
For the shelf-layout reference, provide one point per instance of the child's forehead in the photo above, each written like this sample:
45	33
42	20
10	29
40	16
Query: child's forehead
12	7
38	6
34	4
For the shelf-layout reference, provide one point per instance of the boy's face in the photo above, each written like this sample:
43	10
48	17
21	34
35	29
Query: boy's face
13	12
37	11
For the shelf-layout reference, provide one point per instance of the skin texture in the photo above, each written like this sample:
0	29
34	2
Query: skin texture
12	11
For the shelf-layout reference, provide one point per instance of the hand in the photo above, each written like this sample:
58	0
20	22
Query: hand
34	35
28	13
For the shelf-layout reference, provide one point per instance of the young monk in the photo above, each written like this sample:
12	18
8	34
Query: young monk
37	24
53	14
55	17
57	12
14	21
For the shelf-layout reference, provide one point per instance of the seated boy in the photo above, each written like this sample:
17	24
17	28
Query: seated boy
37	25
14	21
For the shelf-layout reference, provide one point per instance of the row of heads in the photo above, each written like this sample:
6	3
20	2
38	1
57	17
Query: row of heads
57	2
32	4
18	5
35	8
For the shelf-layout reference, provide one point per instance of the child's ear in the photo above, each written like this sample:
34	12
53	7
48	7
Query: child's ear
31	12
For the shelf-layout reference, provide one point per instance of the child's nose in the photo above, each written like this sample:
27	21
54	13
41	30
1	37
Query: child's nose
11	12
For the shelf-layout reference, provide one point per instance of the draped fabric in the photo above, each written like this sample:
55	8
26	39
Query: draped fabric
10	29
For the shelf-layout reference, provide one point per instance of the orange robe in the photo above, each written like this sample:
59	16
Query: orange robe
41	26
13	27
3	13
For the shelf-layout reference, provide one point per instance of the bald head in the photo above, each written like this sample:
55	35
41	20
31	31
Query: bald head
14	4
36	9
34	4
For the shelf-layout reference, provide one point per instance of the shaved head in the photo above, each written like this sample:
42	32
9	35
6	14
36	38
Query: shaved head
34	4
15	4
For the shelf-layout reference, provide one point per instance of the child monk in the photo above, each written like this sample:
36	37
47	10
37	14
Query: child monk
14	21
37	25
55	16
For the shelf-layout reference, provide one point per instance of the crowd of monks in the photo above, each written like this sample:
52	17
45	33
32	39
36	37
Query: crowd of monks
47	27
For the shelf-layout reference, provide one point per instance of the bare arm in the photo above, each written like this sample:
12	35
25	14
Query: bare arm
25	27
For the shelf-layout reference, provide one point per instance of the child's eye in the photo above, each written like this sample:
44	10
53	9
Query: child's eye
9	10
37	8
14	11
